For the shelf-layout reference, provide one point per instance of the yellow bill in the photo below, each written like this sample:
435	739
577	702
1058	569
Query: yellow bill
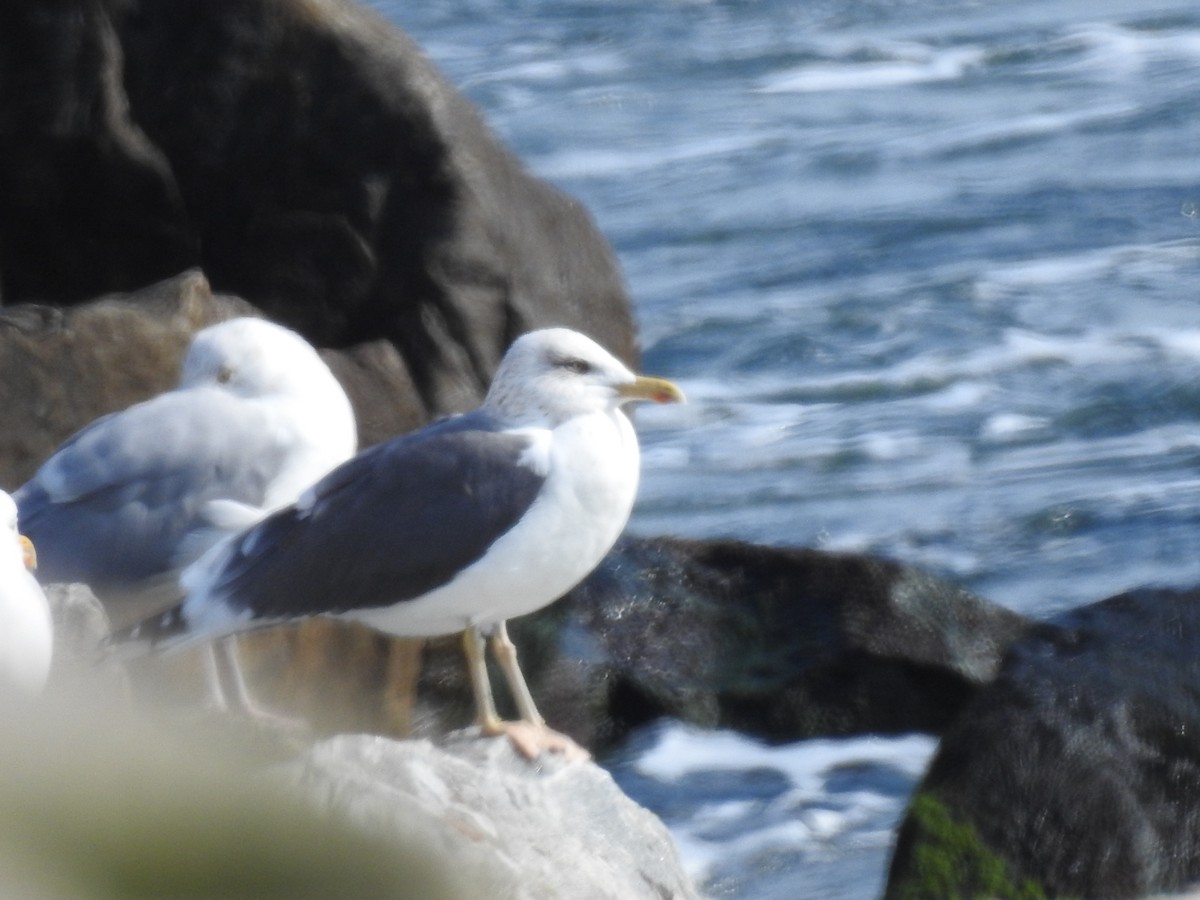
655	390
28	553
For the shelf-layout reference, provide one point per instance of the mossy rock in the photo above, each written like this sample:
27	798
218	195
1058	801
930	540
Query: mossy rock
948	859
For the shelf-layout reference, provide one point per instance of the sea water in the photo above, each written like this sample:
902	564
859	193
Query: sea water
929	272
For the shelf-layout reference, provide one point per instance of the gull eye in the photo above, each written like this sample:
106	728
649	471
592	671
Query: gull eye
576	365
224	374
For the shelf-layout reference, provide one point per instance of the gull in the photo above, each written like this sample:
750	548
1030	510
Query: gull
26	633
457	527
133	498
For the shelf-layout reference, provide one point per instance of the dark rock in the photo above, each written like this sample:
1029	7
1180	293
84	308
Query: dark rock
780	643
88	204
307	157
506	827
1077	772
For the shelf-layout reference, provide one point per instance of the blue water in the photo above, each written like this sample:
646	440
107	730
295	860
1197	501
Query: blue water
930	275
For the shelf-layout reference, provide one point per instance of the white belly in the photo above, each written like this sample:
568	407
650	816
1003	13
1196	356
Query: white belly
26	636
575	521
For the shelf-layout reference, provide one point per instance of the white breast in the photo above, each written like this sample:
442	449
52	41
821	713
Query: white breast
591	465
316	434
26	633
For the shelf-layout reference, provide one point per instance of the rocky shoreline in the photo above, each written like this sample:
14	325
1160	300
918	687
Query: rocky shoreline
165	166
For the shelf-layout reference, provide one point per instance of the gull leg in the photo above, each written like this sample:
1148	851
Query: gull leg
530	736
212	675
228	671
485	707
506	654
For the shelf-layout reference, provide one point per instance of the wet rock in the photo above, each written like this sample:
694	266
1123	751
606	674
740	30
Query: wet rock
1076	773
303	154
780	643
550	829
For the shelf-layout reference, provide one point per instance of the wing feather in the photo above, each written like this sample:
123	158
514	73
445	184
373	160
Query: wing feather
389	525
117	500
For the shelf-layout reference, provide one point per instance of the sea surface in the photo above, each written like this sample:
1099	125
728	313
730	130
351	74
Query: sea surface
929	272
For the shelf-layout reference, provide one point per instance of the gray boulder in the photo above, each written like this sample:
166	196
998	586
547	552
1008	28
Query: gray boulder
505	826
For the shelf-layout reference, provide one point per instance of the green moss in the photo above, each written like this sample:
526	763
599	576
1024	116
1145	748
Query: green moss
950	860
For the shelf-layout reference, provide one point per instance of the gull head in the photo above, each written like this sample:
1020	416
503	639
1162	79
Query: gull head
253	358
556	374
14	546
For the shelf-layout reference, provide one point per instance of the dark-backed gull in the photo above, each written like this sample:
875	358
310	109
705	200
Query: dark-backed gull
456	527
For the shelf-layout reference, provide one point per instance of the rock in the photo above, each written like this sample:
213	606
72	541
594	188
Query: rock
80	661
783	644
779	643
88	204
96	803
550	829
306	156
1077	771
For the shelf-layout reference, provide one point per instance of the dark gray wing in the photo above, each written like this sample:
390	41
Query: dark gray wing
116	501
389	525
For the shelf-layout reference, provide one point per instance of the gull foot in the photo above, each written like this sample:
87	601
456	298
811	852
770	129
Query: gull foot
532	740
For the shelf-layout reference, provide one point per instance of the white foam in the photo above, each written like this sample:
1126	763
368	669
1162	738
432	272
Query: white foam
1184	343
683	750
1018	348
542	63
918	65
1008	426
885	446
962	395
1116	51
1092	265
596	163
809	816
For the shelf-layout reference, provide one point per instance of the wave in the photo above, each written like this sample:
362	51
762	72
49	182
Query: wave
1136	260
594	163
796	798
905	64
1116	51
1111	51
